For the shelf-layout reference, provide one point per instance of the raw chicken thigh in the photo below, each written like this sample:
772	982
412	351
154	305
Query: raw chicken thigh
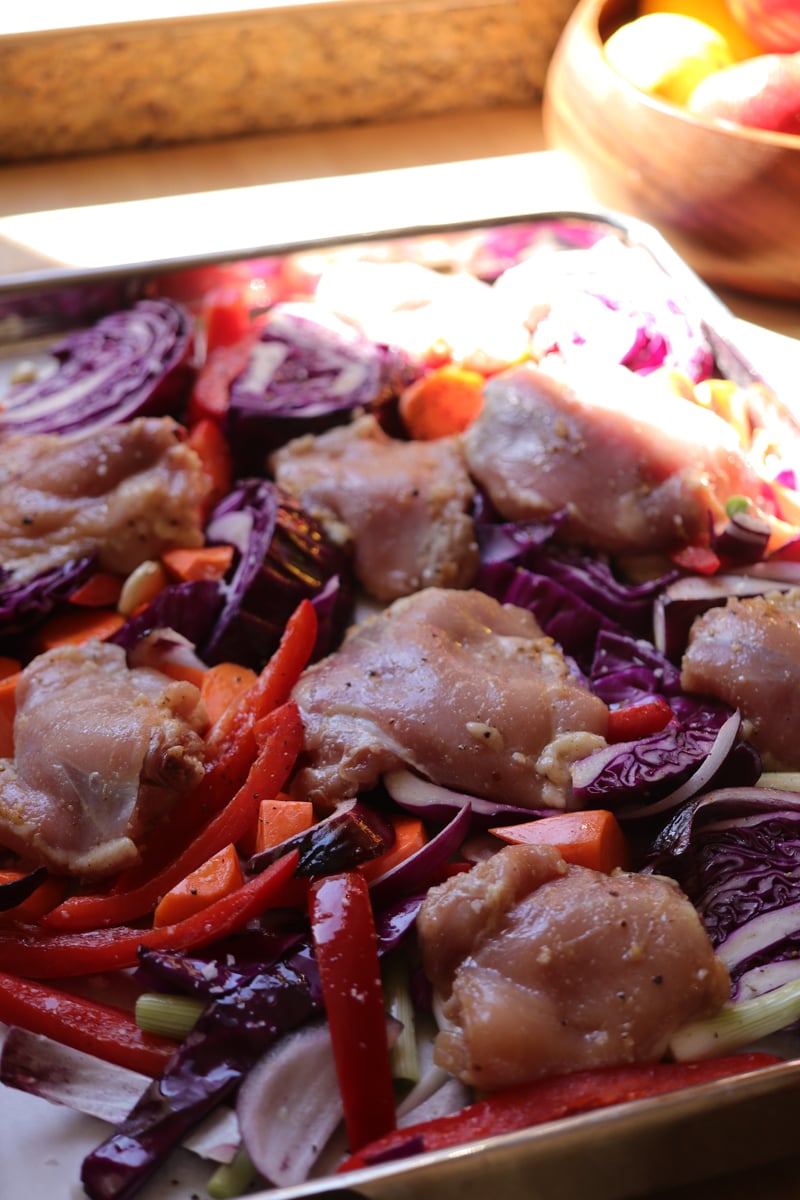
101	752
635	471
542	968
125	494
466	691
403	504
747	653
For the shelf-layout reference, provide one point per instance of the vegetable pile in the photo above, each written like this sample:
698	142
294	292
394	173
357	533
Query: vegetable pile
265	950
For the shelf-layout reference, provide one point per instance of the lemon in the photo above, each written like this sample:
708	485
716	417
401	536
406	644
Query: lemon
667	54
711	12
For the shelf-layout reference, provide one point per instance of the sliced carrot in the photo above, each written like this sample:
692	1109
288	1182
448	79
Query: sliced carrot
75	628
101	591
280	819
588	839
9	666
442	403
204	562
217	877
8	709
46	896
222	684
409	837
208	441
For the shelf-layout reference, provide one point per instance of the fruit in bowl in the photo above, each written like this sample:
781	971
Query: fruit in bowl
773	24
723	192
762	92
711	61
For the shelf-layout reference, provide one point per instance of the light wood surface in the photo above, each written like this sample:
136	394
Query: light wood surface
469	166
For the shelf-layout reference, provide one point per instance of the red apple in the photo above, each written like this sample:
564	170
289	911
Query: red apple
762	92
773	24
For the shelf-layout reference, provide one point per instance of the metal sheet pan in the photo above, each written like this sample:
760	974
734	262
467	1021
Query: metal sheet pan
637	1148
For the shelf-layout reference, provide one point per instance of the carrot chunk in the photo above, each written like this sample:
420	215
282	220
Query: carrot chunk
204	562
217	877
588	839
441	403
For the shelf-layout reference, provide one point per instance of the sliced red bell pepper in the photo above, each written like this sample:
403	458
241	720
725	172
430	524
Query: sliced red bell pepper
281	733
36	953
211	392
700	559
99	1029
551	1099
347	956
275	683
638	720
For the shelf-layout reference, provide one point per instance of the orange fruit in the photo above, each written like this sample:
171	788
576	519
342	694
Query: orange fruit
714	13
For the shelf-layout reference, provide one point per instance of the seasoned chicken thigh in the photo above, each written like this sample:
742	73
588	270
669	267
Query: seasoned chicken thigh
635	471
542	968
747	653
466	691
101	752
125	494
403	504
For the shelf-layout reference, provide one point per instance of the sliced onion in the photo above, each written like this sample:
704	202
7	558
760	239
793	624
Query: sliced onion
743	539
415	872
41	1066
353	833
723	744
685	599
435	803
289	1104
18	890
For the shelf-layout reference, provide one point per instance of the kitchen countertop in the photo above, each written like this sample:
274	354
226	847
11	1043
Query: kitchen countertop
139	205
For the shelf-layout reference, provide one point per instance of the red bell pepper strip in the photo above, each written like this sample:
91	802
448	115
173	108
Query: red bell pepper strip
99	1029
211	392
36	953
347	956
638	720
282	735
275	683
532	1104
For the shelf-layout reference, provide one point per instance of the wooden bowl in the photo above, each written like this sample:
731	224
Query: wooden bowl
727	199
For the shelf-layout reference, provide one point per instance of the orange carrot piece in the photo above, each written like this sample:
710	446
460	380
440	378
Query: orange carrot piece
588	839
208	441
222	684
9	666
101	591
8	709
409	837
75	628
280	819
217	877
203	562
41	901
442	403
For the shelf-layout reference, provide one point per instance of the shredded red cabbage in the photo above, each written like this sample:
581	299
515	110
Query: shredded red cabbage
735	852
307	371
131	363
